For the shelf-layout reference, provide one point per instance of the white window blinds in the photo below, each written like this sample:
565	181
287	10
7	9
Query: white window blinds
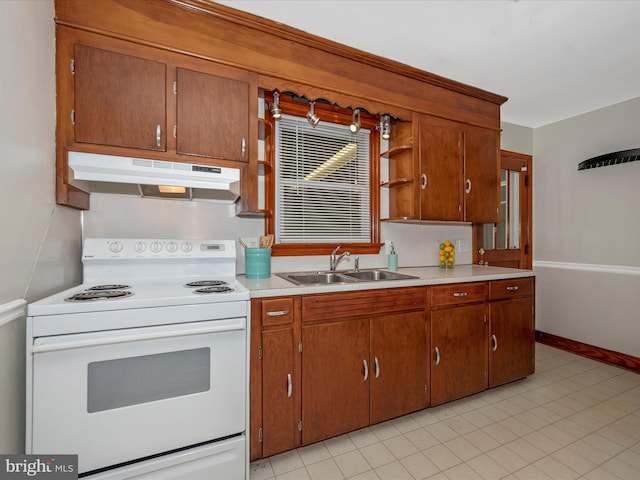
322	183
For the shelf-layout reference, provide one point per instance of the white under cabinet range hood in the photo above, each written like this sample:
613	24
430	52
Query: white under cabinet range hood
153	178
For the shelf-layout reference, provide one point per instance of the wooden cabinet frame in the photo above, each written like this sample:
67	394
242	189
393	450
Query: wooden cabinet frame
333	114
280	57
364	325
67	40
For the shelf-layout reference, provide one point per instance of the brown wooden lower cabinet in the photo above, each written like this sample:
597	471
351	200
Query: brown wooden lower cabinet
278	427
274	376
360	364
398	365
459	352
512	330
360	372
335	387
326	364
459	332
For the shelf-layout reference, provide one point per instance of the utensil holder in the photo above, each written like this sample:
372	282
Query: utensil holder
257	262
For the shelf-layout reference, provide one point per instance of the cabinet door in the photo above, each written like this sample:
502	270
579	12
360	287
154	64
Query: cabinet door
440	173
212	116
398	365
459	352
512	341
278	418
335	384
482	175
120	100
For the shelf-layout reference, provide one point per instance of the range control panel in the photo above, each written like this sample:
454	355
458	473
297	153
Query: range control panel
141	248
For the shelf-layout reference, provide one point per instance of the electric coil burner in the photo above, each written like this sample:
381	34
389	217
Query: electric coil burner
115	286
218	289
97	295
155	375
206	283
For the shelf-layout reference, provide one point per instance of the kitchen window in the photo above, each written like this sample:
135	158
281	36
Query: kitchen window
322	181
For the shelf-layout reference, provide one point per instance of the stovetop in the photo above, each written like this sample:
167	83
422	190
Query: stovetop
146	273
143	294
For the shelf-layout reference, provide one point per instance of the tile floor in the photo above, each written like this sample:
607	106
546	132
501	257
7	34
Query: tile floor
574	418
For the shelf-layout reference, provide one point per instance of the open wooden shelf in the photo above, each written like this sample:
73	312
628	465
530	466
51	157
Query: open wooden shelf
395	151
395	183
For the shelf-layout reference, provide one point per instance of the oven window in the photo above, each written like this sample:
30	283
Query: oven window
134	380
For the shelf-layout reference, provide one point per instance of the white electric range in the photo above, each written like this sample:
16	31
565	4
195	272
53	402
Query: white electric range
142	369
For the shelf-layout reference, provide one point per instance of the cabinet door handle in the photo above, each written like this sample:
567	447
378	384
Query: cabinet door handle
244	146
512	288
494	340
468	184
158	135
375	360
289	386
366	370
460	294
278	313
437	356
423	184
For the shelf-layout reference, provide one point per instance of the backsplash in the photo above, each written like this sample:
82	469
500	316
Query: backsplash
130	217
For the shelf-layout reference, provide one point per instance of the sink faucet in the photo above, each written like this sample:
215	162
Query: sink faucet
334	261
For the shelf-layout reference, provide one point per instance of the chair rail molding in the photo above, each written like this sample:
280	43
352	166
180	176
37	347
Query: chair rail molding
589	267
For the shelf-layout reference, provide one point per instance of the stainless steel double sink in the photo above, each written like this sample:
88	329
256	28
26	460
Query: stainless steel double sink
353	276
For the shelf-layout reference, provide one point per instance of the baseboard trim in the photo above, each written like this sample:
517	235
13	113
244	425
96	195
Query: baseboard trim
617	359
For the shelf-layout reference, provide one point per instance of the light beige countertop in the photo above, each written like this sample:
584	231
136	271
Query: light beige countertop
275	286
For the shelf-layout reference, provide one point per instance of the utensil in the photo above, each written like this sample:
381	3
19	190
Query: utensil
266	241
248	242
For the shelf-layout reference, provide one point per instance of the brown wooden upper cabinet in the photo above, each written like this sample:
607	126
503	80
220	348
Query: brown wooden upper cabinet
123	100
449	173
481	175
120	100
212	116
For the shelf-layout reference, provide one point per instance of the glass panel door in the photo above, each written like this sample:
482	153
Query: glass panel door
508	243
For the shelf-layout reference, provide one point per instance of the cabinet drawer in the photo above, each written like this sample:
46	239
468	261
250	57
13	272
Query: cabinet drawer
515	287
457	293
277	311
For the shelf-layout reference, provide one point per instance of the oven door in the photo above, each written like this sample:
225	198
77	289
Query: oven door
116	396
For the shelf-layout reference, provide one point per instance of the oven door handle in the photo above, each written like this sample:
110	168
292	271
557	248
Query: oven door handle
218	327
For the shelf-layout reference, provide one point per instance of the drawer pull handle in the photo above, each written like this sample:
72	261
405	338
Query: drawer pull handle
278	313
512	288
366	370
437	356
289	386
423	185
375	360
243	149
460	294
468	186
494	340
158	136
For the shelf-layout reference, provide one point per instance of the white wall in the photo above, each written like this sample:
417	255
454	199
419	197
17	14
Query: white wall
39	242
586	227
12	387
516	138
132	217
